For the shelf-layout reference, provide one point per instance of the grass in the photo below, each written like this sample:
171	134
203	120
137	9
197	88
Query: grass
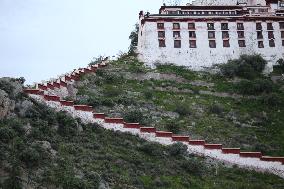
244	123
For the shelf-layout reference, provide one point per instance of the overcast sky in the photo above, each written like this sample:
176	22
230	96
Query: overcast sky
40	39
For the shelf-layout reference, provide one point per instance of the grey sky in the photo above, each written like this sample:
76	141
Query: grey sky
40	39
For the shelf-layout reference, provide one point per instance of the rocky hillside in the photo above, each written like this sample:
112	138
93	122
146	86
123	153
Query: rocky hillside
41	148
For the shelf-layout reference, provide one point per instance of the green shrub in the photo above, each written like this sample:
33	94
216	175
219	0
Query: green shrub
7	134
67	126
216	109
177	149
255	87
182	109
272	99
111	91
31	157
148	94
150	148
134	116
172	126
247	66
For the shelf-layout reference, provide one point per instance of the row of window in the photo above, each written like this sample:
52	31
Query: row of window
212	43
225	34
224	26
203	12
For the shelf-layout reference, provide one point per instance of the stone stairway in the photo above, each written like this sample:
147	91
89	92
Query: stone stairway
52	93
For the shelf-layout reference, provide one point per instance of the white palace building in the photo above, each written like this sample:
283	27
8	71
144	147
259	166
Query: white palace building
210	32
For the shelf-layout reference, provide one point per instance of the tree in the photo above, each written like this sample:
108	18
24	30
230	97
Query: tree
134	39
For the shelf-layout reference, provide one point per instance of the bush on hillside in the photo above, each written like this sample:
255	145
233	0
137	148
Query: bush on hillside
172	126
177	149
134	116
216	109
247	66
255	87
272	99
182	109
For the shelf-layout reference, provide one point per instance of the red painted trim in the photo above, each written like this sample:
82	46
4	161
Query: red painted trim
67	78
147	129
52	98
211	19
63	84
94	69
86	70
114	120
32	91
231	150
57	85
66	103
85	108
42	87
197	142
132	125
274	159
180	138
213	146
74	77
251	154
99	115
163	134
50	86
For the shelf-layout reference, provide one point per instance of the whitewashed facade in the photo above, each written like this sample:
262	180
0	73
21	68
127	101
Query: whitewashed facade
199	36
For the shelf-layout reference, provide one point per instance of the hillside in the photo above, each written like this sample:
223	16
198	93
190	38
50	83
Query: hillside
202	105
41	148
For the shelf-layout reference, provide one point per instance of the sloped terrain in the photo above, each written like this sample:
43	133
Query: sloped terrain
44	149
201	105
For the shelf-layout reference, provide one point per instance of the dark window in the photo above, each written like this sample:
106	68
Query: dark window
160	25
224	26
270	35
282	34
226	43
192	34
211	34
258	26
281	25
283	43
210	26
242	43
162	43
192	43
271	43
176	34
212	43
269	26
191	26
241	34
240	26
225	34
177	44
161	34
260	44
259	35
176	26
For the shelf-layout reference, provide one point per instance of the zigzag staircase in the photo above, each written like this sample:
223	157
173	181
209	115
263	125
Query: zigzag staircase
234	156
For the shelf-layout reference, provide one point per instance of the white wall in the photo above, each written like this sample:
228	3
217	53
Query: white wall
203	56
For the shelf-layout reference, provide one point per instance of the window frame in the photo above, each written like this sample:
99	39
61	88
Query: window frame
226	43
240	26
243	34
226	26
190	45
271	43
211	32
225	36
179	44
210	26
194	34
162	44
160	27
178	34
242	43
258	26
193	24
260	44
176	24
163	36
214	44
270	35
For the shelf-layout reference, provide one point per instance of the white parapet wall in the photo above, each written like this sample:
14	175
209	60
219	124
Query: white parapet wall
233	159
